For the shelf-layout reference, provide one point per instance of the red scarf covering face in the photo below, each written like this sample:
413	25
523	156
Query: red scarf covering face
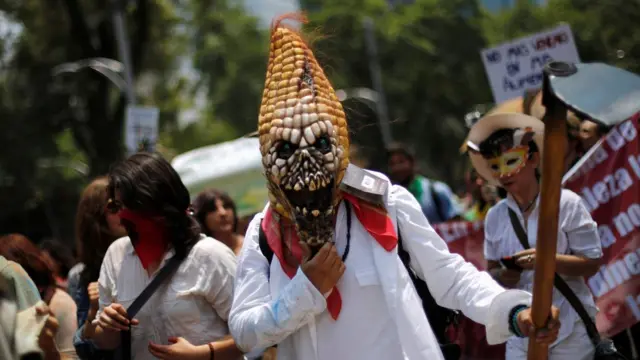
373	219
153	237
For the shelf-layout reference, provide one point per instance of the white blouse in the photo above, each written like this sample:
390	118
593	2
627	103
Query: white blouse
577	235
194	304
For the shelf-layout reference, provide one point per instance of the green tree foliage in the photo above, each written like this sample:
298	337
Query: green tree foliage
63	130
54	124
604	31
230	52
432	72
58	131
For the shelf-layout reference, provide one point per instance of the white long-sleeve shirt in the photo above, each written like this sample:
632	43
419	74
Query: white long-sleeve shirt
193	304
270	308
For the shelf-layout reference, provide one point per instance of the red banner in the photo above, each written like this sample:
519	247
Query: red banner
609	183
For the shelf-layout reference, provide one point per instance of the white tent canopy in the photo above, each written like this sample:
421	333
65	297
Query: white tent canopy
234	167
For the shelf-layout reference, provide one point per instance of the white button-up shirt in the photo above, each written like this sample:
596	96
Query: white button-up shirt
194	304
577	235
382	316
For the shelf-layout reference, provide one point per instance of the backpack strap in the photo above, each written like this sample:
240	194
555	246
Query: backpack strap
560	284
163	275
264	244
439	317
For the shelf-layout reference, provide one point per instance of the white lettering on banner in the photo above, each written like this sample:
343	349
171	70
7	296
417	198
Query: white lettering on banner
635	164
606	236
608	188
598	156
626	221
615	273
452	231
516	66
622	134
634	305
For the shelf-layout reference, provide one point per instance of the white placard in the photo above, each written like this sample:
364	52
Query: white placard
141	128
516	66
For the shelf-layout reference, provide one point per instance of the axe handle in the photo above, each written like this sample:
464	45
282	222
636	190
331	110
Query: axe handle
555	146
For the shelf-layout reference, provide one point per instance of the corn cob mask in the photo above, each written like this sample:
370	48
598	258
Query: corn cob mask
303	138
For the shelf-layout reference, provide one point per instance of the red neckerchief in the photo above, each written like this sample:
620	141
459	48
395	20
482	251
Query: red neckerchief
373	219
153	237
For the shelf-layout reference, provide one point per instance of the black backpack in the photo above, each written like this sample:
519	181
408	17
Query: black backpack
439	317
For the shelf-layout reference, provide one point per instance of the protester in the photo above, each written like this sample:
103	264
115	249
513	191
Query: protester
96	229
18	248
25	334
60	259
506	152
216	212
25	293
483	197
436	198
190	309
590	134
319	273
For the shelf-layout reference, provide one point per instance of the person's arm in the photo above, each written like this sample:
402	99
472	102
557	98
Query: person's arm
576	265
105	339
219	293
258	321
584	241
582	236
85	348
226	349
473	292
505	277
26	292
568	265
65	309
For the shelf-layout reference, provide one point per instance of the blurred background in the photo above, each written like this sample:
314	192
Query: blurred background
70	69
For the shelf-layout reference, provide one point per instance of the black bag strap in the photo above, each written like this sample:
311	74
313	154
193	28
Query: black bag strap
124	351
560	284
264	244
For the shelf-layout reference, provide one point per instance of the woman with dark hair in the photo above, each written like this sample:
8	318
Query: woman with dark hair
96	229
506	150
18	248
190	309
217	215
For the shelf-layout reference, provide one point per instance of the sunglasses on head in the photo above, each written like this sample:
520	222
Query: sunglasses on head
113	206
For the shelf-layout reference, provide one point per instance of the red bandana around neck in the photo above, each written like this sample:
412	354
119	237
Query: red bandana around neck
373	219
153	238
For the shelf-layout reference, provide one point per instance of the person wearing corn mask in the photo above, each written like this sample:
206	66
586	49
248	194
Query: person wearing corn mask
319	273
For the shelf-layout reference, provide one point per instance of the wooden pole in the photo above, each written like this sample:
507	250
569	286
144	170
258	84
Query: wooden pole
555	146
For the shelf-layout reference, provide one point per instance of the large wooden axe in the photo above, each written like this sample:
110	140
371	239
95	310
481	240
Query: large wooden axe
597	92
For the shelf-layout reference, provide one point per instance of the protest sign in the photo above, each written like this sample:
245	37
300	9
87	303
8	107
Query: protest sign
141	128
609	183
516	66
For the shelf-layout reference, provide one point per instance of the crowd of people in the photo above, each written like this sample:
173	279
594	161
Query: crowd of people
314	275
131	222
